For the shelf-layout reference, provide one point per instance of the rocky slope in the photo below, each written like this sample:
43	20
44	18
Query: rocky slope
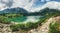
45	27
5	28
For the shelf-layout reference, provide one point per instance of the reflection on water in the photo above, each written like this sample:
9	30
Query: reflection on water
32	18
26	19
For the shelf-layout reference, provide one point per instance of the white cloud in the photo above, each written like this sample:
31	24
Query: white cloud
52	5
27	4
19	3
4	4
23	4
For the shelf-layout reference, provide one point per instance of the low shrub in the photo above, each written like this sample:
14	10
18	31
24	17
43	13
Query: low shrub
54	27
4	20
25	27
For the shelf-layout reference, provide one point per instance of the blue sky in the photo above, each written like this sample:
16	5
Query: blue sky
26	4
40	2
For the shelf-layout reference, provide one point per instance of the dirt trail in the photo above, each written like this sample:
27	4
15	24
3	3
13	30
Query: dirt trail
44	28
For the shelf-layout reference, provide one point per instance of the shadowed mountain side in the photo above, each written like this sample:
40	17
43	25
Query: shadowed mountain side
14	10
26	13
43	12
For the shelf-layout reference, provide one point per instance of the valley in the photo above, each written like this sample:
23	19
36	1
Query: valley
29	22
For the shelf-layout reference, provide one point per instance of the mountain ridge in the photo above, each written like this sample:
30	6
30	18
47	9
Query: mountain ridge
14	10
51	5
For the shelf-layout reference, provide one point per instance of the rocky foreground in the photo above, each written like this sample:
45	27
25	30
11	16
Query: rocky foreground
5	28
45	26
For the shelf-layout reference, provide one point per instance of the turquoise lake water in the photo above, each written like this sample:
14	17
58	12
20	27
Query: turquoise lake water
25	18
18	19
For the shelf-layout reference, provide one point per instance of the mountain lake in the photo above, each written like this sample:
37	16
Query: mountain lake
26	19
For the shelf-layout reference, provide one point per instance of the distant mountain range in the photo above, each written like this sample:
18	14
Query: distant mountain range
50	6
14	10
26	13
43	12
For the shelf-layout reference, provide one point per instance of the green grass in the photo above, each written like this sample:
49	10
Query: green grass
7	18
28	25
24	27
54	28
31	25
4	20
